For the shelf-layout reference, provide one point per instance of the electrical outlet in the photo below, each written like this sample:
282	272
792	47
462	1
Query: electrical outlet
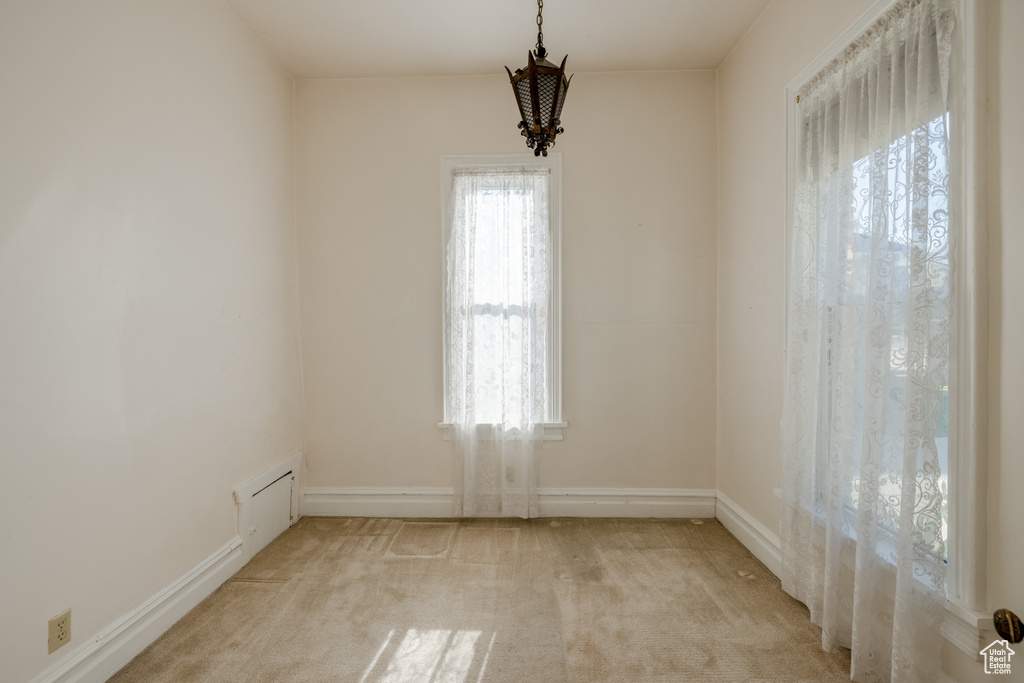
60	630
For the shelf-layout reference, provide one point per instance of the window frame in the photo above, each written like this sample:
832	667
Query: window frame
968	622
553	162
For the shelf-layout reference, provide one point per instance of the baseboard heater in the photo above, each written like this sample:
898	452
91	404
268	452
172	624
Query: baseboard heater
268	505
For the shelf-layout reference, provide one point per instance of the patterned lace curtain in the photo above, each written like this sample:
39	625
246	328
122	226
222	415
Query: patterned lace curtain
497	303
865	407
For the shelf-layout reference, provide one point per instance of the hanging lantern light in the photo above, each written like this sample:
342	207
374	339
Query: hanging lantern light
540	92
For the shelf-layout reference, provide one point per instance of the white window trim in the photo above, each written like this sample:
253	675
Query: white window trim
968	620
552	162
552	430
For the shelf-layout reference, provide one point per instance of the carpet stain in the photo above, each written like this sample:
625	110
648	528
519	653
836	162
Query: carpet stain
423	539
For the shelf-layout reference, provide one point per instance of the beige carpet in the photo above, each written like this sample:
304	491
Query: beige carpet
582	600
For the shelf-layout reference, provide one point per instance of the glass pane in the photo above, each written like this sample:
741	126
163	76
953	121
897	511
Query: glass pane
501	228
914	248
502	222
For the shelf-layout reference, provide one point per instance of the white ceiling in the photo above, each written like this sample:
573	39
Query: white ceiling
383	38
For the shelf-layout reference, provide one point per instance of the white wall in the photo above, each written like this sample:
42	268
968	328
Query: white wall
789	35
751	241
148	344
638	274
1006	310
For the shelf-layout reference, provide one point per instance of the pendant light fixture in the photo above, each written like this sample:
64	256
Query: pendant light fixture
540	92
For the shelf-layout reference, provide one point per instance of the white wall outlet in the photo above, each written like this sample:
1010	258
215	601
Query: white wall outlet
60	630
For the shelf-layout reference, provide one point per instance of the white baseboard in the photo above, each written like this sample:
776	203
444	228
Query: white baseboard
764	545
116	645
358	501
657	503
366	501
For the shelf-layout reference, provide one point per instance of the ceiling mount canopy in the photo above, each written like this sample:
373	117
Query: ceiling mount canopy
540	93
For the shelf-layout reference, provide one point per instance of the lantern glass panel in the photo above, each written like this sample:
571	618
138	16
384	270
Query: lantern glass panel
523	95
561	99
546	84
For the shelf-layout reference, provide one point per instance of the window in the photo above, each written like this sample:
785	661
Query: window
887	172
501	221
868	354
960	437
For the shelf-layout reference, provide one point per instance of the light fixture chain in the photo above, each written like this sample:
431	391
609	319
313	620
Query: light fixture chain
540	25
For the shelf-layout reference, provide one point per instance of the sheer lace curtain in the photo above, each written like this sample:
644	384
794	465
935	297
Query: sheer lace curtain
497	304
864	416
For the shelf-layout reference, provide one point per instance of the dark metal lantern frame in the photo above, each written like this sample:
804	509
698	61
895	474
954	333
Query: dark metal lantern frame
540	92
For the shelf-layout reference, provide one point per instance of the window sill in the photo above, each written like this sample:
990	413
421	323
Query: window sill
967	629
552	430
